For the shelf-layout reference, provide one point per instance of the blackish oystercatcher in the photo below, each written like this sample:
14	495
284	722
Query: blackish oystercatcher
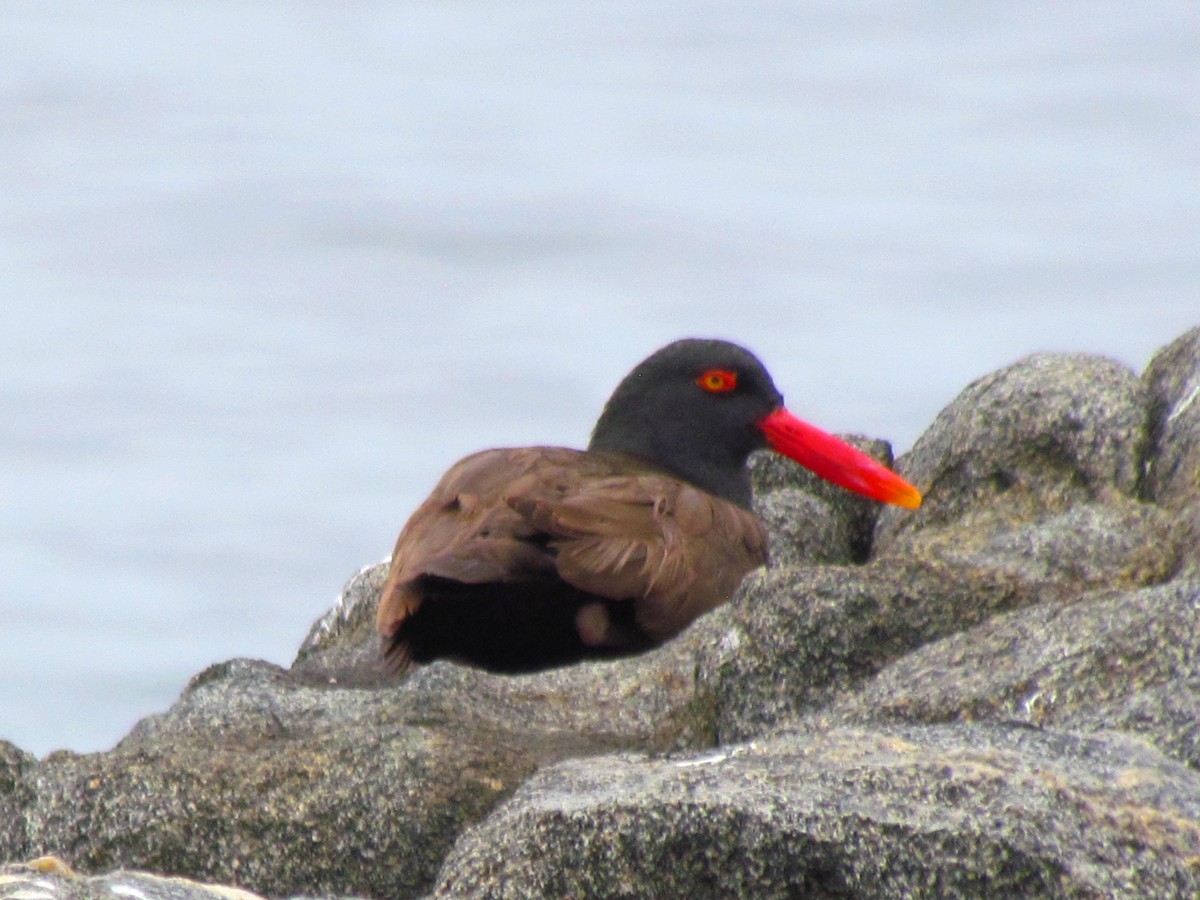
522	559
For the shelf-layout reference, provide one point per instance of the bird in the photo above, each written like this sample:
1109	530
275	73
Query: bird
529	558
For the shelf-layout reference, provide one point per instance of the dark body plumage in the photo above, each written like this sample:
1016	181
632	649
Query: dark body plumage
495	567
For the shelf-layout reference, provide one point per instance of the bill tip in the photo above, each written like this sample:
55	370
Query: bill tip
908	497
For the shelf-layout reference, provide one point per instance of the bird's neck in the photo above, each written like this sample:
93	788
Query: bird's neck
726	477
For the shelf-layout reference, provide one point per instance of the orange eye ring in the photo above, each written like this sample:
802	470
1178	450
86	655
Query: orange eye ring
718	381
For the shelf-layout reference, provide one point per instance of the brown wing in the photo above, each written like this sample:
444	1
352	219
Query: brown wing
602	523
673	549
466	531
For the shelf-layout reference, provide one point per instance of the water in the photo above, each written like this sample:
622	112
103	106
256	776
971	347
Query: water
268	268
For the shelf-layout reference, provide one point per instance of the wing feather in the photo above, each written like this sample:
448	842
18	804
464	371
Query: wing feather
603	524
464	531
673	550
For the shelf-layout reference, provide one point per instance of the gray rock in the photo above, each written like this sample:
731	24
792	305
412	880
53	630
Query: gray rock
1120	543
279	787
1033	471
16	794
1173	470
800	637
282	784
962	811
49	878
1040	436
1116	659
1173	381
805	530
1030	504
342	647
1166	713
809	519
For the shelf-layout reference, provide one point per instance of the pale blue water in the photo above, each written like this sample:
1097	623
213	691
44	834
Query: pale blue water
268	268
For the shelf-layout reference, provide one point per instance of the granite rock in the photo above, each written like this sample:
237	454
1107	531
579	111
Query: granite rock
17	794
1040	436
810	520
1173	468
255	780
917	811
1075	666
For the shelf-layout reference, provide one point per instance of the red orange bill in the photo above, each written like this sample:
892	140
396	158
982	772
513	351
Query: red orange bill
834	460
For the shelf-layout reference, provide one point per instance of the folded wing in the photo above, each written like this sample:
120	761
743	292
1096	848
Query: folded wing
673	550
597	524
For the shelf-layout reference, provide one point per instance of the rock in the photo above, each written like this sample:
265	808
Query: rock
342	646
1097	663
644	701
1173	470
255	780
280	784
1120	543
1173	381
16	794
1029	505
800	637
1166	713
1040	436
1035	470
962	811
804	530
810	520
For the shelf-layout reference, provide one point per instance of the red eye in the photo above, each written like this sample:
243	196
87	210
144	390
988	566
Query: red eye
717	381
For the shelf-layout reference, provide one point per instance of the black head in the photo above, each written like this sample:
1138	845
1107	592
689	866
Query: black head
693	409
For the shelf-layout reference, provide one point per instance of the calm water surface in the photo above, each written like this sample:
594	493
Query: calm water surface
268	268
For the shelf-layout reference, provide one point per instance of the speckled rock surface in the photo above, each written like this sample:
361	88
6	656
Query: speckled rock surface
995	695
275	787
1032	497
798	638
1075	666
16	795
1173	469
1173	381
962	811
810	520
342	646
1040	436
